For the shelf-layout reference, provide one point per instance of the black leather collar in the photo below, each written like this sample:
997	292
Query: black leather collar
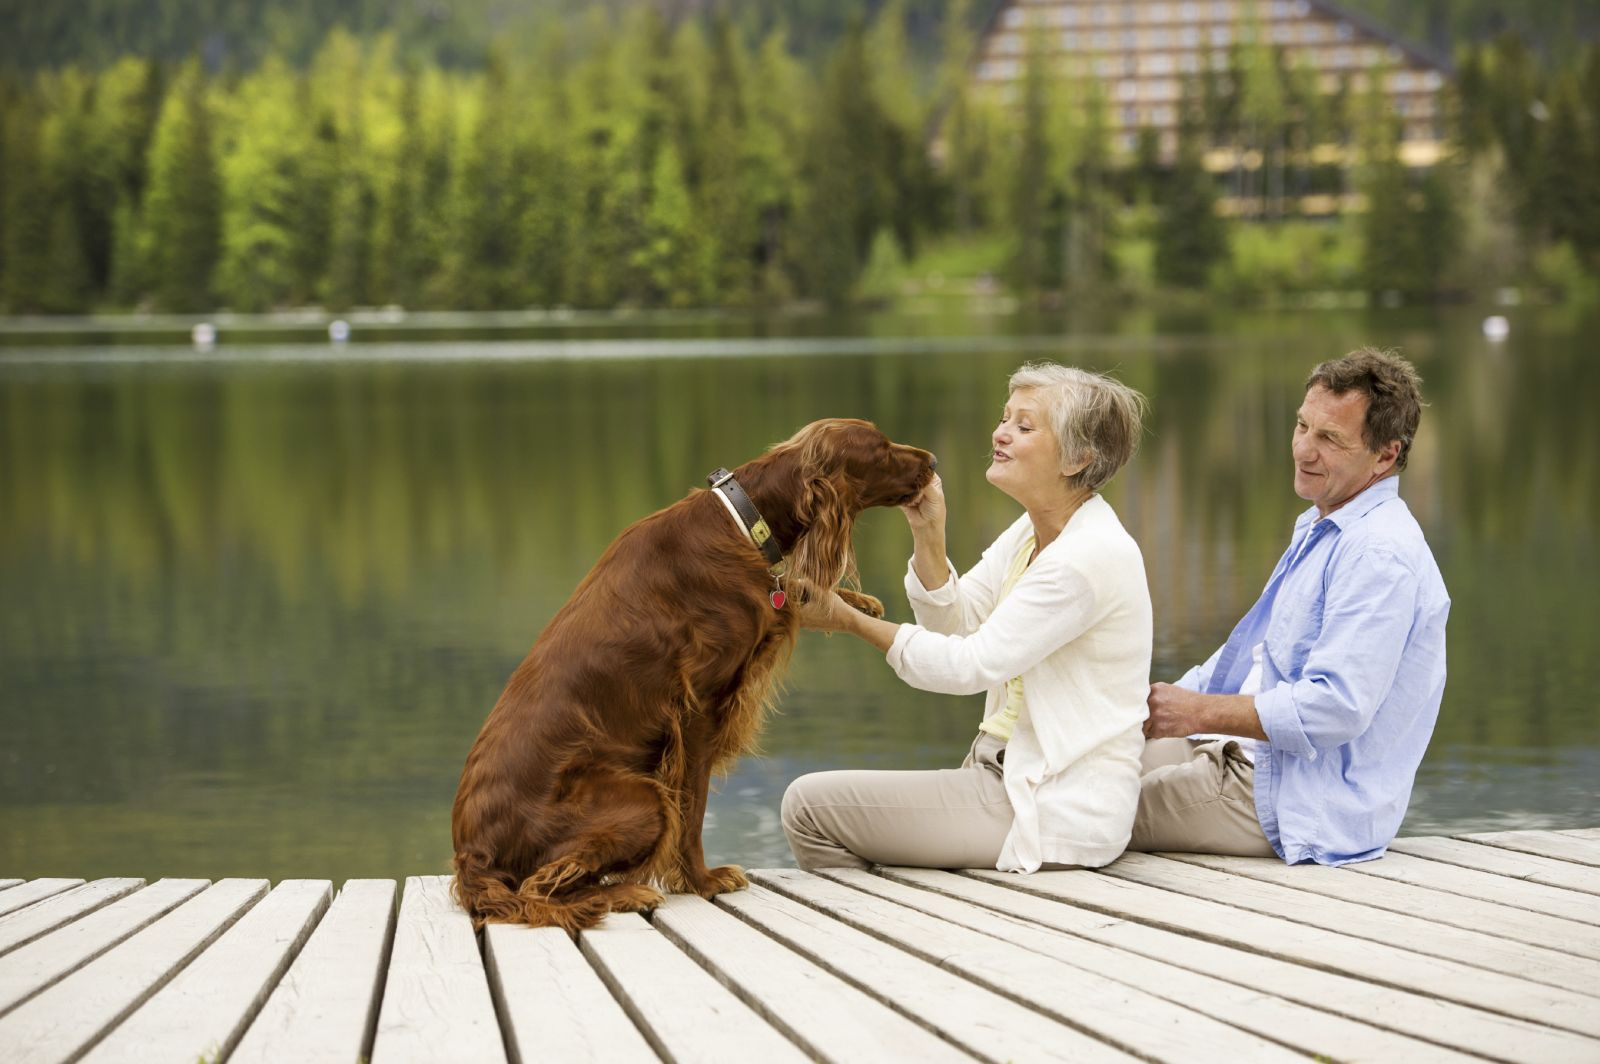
722	481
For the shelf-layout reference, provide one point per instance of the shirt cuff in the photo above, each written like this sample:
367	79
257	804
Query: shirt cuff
897	649
943	595
1275	709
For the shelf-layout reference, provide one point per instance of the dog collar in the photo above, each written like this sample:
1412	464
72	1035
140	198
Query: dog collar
739	504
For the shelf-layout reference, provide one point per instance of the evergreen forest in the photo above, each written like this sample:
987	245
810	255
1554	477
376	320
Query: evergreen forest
632	155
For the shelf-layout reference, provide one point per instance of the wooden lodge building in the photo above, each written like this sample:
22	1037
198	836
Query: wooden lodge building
1142	52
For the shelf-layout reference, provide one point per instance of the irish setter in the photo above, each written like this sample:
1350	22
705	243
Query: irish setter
586	788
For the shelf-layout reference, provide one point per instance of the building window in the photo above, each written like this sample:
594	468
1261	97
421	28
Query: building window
1345	32
1189	63
1130	117
1188	12
1189	37
1013	18
1127	89
1159	64
1221	36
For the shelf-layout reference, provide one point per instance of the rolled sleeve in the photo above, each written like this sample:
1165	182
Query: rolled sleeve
1050	606
1351	664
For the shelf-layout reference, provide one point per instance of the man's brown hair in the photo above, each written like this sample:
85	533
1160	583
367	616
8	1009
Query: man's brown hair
1393	391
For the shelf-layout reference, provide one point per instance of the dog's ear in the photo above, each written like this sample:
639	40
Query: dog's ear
823	556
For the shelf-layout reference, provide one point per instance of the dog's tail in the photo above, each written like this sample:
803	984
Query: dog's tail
560	894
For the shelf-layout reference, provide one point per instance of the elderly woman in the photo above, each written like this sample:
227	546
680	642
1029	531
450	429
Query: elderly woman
1053	623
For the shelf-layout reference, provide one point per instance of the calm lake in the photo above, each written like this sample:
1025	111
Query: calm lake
256	602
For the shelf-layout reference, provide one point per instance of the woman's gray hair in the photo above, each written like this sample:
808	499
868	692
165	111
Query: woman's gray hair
1095	417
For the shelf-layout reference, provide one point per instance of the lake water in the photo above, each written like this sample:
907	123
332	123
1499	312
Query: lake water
255	603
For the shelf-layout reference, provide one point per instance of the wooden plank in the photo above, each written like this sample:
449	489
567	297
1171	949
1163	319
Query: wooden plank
324	1009
552	1004
65	1020
1471	883
1502	862
1420	902
1549	844
1287	940
34	890
6	884
1581	833
1304	1028
436	1003
681	1009
1126	1016
21	927
29	969
830	1019
201	1013
1419	1015
976	1019
1398	930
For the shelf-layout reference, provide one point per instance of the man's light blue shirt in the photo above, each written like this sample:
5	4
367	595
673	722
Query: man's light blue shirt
1352	675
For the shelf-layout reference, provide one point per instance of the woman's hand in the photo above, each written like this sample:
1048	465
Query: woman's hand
825	612
828	612
925	513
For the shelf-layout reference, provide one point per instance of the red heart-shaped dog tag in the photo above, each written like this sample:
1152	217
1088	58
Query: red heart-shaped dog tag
778	599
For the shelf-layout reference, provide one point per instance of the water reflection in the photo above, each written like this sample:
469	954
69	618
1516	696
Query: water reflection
254	607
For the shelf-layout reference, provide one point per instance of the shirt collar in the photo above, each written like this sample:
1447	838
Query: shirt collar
1358	507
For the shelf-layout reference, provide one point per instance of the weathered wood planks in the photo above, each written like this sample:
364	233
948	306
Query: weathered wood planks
1480	947
324	1009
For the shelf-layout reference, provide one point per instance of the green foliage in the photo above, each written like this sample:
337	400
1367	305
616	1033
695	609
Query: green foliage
182	208
628	160
1190	238
1288	257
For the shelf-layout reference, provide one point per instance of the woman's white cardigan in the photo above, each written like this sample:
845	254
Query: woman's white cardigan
1076	628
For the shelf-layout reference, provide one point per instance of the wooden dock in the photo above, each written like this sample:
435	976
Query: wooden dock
1477	947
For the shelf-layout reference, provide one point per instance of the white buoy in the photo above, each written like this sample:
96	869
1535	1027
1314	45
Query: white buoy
204	334
1496	328
339	331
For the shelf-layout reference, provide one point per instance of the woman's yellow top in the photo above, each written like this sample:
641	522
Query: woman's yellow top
1004	721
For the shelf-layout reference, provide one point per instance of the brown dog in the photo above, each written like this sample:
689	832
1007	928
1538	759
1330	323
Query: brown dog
586	788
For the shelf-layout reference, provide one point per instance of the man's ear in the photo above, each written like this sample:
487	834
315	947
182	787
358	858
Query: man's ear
1389	454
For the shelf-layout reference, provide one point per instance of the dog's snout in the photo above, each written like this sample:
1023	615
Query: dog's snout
933	461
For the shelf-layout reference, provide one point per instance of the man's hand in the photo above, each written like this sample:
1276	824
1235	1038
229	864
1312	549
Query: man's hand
1178	711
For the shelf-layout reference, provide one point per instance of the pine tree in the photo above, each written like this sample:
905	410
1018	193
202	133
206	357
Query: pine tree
259	168
1030	186
182	209
1190	237
24	225
127	99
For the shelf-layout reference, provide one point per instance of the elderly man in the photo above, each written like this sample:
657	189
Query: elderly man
1302	734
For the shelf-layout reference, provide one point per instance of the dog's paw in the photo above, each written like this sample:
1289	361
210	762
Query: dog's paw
722	880
863	602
